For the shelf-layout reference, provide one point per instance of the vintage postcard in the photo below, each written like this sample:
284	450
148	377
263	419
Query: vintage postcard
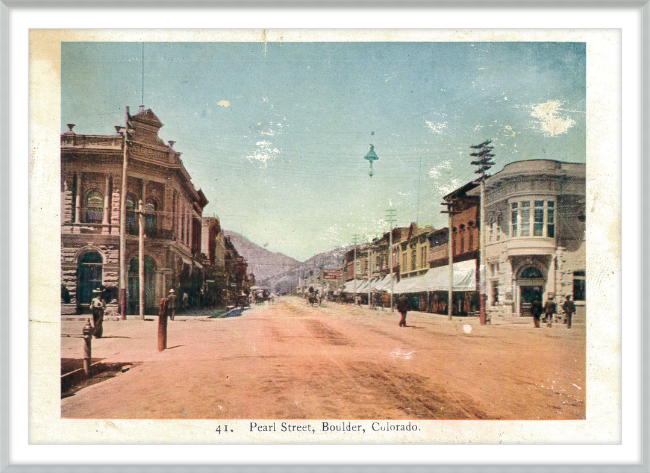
326	237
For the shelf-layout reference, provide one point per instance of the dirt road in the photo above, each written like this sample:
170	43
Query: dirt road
292	361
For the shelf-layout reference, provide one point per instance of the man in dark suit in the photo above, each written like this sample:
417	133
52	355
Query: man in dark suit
569	309
549	310
536	309
402	307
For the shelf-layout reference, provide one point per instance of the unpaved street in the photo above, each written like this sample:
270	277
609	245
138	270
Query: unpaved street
291	361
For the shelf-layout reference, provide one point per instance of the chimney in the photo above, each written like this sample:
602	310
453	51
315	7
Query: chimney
141	109
171	144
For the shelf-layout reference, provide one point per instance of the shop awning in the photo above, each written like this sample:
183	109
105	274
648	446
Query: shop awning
363	287
384	284
437	279
348	287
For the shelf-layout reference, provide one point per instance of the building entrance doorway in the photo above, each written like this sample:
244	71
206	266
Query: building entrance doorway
529	294
531	288
89	278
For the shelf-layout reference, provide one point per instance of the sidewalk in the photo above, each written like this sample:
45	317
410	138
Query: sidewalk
196	312
459	319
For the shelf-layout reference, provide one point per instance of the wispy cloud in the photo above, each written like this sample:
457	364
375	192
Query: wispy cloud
549	121
437	128
223	103
264	152
436	171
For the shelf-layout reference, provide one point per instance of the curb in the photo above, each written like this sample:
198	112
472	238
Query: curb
73	378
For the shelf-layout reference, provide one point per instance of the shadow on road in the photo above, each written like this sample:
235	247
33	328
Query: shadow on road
175	346
234	313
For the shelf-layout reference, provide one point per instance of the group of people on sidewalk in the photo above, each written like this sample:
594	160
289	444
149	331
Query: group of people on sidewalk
549	310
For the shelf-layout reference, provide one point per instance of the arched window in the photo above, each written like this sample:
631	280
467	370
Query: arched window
150	217
131	216
498	225
531	272
94	207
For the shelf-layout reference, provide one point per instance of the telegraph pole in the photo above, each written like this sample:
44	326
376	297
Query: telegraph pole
450	295
390	218
141	257
369	275
127	131
484	163
355	239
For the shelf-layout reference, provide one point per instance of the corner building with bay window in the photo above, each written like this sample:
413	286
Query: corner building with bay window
535	235
91	187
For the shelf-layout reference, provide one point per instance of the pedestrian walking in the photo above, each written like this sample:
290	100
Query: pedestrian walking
186	301
402	307
536	309
172	303
569	309
97	307
549	310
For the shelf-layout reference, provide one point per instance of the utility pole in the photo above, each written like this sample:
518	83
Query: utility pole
141	257
369	276
390	218
484	163
417	217
450	295
355	238
127	131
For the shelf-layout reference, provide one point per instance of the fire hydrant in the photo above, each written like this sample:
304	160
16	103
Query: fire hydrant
88	336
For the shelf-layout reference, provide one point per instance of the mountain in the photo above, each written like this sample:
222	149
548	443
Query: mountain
261	262
279	271
287	280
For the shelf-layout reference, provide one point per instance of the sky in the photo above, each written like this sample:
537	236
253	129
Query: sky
275	134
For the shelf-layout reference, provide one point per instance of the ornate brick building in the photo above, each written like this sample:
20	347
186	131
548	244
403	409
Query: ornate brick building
91	184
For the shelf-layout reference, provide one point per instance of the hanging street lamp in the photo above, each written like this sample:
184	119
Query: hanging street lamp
371	156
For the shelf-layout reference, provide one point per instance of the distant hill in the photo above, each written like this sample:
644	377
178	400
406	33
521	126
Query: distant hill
261	262
284	281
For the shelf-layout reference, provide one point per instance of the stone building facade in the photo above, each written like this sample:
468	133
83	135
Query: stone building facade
411	250
535	235
91	186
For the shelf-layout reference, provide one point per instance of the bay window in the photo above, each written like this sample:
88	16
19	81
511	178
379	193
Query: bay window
532	218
